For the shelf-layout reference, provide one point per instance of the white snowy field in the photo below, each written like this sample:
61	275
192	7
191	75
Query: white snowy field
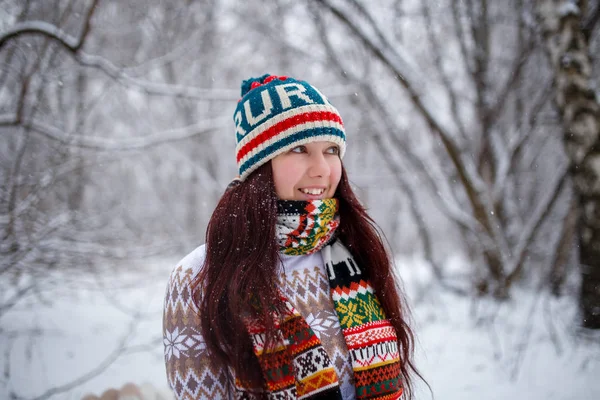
525	348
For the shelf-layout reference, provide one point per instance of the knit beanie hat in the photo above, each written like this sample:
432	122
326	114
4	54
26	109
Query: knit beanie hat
278	113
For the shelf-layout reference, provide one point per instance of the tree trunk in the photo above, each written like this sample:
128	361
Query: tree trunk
563	251
578	106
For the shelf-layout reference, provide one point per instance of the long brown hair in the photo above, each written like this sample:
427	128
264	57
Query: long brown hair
242	261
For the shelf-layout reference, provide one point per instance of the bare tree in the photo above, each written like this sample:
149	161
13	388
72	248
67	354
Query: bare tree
69	156
484	161
575	97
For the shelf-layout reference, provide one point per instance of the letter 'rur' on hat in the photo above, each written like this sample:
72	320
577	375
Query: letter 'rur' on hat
278	113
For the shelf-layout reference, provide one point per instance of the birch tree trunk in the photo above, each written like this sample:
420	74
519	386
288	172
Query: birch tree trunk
578	105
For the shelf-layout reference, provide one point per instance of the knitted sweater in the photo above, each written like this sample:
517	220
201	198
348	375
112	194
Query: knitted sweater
190	371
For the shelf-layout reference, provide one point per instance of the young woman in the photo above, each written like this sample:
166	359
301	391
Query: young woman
293	294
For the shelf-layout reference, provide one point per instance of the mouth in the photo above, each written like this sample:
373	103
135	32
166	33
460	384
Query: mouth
312	193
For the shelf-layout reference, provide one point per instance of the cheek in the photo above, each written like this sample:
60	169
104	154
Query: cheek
285	176
279	181
283	186
336	174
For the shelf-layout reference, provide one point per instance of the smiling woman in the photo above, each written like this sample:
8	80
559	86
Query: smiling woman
307	172
293	294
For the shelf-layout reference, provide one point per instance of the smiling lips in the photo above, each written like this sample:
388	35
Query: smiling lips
313	192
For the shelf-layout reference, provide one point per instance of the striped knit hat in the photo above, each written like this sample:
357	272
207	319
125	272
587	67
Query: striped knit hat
276	114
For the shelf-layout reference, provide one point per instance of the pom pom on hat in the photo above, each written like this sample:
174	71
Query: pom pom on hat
253	83
278	113
247	84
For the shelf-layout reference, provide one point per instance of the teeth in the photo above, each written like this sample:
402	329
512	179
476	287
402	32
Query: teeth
314	192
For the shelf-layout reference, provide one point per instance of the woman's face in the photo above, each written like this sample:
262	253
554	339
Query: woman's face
307	172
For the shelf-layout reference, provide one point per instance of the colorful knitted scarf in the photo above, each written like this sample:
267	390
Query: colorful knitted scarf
297	366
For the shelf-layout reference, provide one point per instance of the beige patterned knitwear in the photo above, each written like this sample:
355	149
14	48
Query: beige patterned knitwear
193	375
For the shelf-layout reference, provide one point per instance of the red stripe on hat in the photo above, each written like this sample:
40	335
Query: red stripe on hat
310	116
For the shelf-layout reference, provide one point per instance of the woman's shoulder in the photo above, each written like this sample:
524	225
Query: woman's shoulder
178	297
190	265
194	259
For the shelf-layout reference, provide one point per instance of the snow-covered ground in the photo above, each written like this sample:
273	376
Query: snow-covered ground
526	348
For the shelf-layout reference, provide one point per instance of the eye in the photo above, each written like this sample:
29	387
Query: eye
335	150
298	149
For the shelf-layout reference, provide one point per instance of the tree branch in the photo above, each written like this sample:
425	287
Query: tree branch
105	144
120	349
403	69
460	34
590	23
8	304
494	111
74	46
86	25
533	225
446	202
517	144
42	28
152	88
437	60
51	31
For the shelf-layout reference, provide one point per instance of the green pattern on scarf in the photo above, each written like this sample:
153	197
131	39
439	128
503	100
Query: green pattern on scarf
360	310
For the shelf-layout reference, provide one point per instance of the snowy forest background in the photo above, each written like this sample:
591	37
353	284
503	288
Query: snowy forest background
473	138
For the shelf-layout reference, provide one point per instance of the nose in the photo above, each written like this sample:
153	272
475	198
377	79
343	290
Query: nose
319	167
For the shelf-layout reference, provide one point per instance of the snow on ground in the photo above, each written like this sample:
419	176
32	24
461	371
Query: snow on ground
526	348
84	324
